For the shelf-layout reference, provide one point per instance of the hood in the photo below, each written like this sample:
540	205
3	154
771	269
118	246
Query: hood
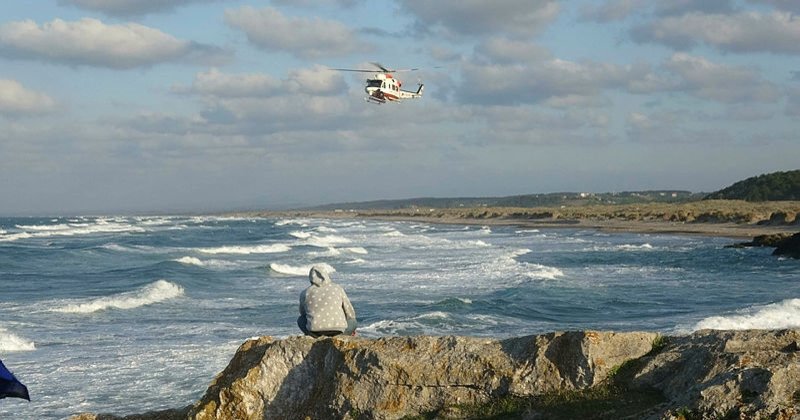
318	276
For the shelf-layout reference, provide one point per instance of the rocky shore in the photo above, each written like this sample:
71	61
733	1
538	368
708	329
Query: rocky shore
726	218
580	374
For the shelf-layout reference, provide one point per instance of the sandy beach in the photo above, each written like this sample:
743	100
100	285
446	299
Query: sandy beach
734	219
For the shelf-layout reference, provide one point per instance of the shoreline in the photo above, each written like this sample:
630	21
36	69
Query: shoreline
721	229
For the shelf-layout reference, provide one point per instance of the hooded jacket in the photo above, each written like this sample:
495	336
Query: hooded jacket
325	304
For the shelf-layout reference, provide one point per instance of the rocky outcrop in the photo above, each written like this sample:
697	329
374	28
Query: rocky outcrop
771	240
752	374
789	247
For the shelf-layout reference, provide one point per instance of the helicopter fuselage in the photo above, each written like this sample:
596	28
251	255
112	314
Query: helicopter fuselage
383	87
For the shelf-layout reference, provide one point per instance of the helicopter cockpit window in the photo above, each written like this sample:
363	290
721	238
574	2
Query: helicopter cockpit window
374	83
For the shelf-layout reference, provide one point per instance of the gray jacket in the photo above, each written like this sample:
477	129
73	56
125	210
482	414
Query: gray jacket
324	303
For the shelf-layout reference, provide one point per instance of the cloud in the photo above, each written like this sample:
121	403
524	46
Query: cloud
681	7
728	84
786	5
777	32
317	3
476	17
612	10
511	72
314	81
90	42
15	99
129	7
270	30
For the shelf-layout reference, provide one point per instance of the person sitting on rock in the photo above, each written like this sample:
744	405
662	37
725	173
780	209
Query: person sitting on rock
325	309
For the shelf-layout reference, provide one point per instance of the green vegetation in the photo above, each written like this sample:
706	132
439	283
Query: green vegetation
605	401
777	186
523	201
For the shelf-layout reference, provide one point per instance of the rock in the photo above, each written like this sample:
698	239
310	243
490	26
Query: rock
729	374
743	374
789	247
769	240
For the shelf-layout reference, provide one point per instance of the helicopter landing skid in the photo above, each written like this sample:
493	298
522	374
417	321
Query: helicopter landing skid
375	100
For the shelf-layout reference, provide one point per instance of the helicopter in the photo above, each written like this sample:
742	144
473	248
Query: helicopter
383	87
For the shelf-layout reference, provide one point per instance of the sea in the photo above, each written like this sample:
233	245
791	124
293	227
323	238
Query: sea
130	314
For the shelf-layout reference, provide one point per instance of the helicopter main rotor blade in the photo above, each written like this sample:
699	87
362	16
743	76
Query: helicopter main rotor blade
356	70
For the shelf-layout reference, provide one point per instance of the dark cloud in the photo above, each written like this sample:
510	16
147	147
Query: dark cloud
786	5
90	42
127	8
610	11
517	17
681	7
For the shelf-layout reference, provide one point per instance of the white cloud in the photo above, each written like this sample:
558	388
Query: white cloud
269	29
90	42
129	7
476	17
313	81
777	32
15	99
708	80
492	76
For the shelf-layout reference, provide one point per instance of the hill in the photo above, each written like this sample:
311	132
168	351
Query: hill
777	186
524	201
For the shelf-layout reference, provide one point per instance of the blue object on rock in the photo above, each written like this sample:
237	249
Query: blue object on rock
10	386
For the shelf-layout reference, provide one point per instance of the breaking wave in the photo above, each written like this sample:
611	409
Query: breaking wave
298	270
784	314
155	292
246	250
12	343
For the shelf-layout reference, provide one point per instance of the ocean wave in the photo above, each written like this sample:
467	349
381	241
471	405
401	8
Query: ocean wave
298	222
356	261
356	250
300	234
780	315
246	250
204	263
13	343
155	292
298	270
526	231
622	247
72	229
325	229
327	241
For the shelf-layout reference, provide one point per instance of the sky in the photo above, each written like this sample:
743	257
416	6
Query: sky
133	106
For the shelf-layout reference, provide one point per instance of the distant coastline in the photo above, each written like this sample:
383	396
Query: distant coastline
724	218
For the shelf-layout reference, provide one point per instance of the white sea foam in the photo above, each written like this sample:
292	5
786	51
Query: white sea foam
73	229
329	252
527	231
780	315
326	241
300	234
246	250
356	261
205	263
394	234
356	250
10	342
325	229
298	270
298	222
155	292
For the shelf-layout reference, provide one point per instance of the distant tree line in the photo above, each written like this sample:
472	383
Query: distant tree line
777	186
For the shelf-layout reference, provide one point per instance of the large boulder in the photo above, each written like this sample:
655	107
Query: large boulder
789	247
394	377
709	374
